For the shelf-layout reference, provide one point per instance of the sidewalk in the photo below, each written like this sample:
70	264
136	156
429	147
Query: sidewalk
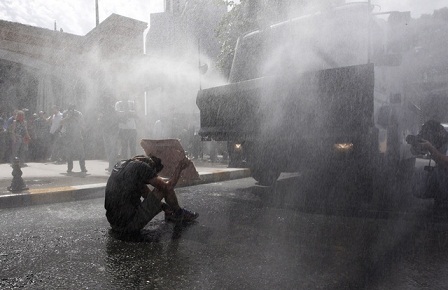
48	182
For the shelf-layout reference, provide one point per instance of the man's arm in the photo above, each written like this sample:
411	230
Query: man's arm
163	185
160	186
145	191
165	189
184	163
440	158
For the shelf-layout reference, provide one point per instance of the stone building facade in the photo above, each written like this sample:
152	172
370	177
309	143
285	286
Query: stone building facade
118	59
41	67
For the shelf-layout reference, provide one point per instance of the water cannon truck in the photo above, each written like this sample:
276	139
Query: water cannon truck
315	92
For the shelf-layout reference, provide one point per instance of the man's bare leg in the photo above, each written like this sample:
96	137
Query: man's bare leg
170	198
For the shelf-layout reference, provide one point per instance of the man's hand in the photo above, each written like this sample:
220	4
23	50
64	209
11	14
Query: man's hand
184	163
440	158
425	144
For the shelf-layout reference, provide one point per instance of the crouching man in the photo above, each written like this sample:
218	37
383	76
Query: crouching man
128	183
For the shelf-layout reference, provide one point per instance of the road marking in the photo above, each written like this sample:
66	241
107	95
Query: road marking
51	189
89	186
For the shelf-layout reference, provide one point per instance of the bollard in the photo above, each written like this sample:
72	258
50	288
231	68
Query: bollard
17	183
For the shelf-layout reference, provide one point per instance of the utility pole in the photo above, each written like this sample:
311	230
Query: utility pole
199	64
97	13
369	32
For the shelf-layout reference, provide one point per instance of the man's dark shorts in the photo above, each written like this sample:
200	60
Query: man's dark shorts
145	212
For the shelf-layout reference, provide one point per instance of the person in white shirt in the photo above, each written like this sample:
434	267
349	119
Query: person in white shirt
55	135
127	128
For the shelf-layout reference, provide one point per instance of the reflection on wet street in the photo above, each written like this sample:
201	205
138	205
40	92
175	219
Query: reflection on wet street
247	237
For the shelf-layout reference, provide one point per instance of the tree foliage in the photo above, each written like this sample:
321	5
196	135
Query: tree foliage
429	32
246	16
233	25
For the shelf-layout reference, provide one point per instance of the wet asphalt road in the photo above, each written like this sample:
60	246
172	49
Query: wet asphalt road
247	237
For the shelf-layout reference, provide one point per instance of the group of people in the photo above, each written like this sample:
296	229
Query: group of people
60	136
57	137
24	137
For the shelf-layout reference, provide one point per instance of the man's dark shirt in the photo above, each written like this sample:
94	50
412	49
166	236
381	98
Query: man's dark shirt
123	190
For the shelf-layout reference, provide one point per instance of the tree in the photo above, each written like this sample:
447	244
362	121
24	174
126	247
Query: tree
233	25
250	15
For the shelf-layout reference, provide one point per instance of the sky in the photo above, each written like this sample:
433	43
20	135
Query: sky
78	16
74	16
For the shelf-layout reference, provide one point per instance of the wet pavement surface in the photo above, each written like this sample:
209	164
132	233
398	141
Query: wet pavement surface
247	237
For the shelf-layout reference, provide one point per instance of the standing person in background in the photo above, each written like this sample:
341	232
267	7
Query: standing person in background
31	131
41	133
2	121
8	141
197	150
20	138
72	121
108	121
157	131
10	120
127	128
3	137
55	149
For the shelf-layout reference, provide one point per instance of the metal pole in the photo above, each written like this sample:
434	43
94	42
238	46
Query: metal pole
199	64
369	27
97	13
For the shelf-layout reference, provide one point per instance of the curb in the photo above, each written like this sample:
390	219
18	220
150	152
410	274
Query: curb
217	176
89	191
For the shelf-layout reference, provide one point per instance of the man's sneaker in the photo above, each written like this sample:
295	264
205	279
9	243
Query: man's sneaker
181	216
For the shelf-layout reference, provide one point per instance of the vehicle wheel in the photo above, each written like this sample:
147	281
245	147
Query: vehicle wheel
265	176
263	162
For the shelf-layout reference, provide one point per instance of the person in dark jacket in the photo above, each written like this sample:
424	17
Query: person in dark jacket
73	124
20	138
109	120
128	183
